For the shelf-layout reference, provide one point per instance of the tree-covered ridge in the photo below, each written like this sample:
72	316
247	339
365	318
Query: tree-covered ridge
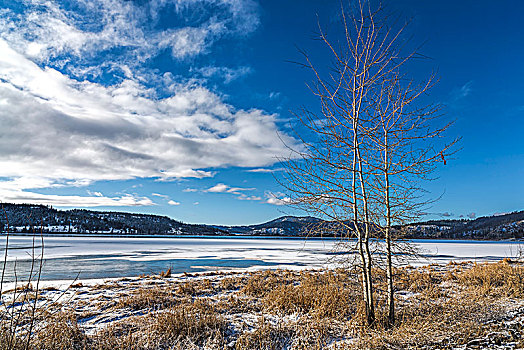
28	218
505	226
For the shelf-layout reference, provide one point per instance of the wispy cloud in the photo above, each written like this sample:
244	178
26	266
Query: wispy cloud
24	190
264	170
225	73
244	197
51	32
21	196
160	195
223	188
459	93
189	190
277	198
273	95
172	202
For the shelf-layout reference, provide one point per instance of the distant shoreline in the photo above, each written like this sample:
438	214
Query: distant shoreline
242	236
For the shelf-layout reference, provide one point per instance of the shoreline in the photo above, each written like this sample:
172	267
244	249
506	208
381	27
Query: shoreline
242	236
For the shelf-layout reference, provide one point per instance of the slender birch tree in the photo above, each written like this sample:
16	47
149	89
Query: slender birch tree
365	151
406	152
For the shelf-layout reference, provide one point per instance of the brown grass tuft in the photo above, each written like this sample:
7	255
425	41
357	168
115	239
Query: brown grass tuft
504	278
266	336
322	295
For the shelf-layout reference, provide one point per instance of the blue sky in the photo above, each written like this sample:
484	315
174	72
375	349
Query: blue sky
179	108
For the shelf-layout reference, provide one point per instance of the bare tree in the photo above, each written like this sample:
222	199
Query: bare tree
406	151
366	150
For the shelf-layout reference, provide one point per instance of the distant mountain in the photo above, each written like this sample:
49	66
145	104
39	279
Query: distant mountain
282	226
28	218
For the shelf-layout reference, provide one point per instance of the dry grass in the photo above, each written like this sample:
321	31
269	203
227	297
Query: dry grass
322	295
148	299
194	323
505	278
310	310
265	336
60	331
261	283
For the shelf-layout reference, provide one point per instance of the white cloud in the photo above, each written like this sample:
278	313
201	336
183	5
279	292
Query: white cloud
160	195
274	95
21	190
48	30
277	198
218	188
462	92
263	170
244	197
223	188
73	201
189	190
61	129
172	202
63	125
227	74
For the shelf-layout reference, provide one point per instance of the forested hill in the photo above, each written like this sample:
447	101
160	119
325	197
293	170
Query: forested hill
506	226
27	218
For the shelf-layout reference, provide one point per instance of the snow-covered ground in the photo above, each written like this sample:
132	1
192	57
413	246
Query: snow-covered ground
90	257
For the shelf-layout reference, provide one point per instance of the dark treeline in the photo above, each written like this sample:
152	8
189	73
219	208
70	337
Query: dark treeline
506	226
31	218
28	218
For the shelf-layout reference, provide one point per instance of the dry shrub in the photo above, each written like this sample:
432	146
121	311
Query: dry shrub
504	278
431	318
196	287
326	307
60	331
148	298
194	323
231	283
427	324
265	336
417	280
323	295
165	274
236	304
205	285
117	337
187	288
261	283
8	340
315	334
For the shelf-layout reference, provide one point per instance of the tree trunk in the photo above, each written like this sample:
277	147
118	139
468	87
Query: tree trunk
389	262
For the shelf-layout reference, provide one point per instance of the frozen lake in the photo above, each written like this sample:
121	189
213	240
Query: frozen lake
106	257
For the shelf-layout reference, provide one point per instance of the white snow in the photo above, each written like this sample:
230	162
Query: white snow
104	257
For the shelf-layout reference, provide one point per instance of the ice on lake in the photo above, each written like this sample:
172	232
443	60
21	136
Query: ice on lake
91	257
